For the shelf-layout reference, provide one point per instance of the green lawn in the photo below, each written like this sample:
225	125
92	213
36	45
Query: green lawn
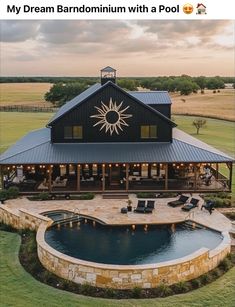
13	125
19	289
218	133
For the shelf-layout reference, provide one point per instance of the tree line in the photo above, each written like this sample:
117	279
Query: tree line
66	88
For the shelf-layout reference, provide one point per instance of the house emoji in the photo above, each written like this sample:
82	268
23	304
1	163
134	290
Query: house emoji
201	9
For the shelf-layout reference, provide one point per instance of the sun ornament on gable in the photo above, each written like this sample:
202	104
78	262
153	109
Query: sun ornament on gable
111	117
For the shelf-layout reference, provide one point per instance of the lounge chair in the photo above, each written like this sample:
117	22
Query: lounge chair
193	204
140	206
181	201
150	206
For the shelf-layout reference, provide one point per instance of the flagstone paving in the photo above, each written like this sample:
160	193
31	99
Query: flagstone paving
108	211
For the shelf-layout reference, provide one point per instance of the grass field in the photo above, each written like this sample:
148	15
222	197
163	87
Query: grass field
24	94
219	105
19	289
13	125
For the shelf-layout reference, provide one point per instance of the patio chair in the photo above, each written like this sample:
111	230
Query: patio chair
150	206
192	204
209	205
140	206
181	201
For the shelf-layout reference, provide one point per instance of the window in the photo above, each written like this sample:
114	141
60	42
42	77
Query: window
73	132
148	132
68	132
144	170
77	132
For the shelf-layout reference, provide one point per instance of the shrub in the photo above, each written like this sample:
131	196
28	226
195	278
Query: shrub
46	276
216	273
86	196
181	287
225	264
87	289
196	283
220	202
205	278
163	290
12	192
44	196
109	292
146	195
4	194
167	195
136	292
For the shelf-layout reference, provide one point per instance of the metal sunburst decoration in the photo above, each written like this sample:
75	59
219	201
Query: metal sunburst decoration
111	117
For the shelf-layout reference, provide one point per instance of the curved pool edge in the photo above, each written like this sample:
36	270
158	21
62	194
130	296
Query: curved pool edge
129	276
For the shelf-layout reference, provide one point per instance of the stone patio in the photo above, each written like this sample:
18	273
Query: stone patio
108	211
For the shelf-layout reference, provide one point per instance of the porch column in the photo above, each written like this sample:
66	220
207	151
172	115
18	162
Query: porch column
217	171
195	176
127	176
49	178
78	177
1	177
166	176
103	177
230	166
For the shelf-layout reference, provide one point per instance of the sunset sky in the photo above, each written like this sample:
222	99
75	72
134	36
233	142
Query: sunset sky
134	48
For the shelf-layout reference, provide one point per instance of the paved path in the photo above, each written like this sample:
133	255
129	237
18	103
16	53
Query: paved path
108	211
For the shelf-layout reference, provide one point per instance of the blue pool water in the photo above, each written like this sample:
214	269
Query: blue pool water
58	215
122	245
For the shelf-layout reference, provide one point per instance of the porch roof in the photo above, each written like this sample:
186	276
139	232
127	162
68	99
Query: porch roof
36	148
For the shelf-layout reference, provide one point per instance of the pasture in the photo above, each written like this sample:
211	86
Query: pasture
220	105
31	94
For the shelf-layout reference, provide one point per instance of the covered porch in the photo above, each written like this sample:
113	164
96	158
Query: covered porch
126	177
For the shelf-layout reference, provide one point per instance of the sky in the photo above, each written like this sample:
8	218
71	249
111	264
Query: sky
134	48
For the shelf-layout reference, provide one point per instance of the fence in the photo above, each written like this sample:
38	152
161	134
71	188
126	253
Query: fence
23	108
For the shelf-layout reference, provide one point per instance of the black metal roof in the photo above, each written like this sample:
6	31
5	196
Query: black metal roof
36	148
152	97
108	69
81	98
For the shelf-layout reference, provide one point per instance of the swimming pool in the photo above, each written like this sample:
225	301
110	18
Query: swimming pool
124	245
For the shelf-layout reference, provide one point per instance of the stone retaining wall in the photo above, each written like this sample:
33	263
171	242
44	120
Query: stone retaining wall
22	219
129	276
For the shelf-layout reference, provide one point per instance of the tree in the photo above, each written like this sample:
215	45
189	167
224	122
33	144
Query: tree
201	82
199	123
127	84
60	93
186	87
214	83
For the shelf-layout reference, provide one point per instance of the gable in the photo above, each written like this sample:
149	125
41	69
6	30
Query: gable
107	105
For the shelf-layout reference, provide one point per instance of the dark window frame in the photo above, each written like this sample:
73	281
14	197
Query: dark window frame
152	131
70	135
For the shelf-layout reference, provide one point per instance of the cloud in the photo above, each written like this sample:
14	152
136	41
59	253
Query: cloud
18	31
130	43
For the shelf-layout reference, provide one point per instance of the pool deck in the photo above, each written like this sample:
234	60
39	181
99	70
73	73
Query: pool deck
108	211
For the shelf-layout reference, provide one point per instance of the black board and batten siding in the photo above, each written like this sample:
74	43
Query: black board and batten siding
141	115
